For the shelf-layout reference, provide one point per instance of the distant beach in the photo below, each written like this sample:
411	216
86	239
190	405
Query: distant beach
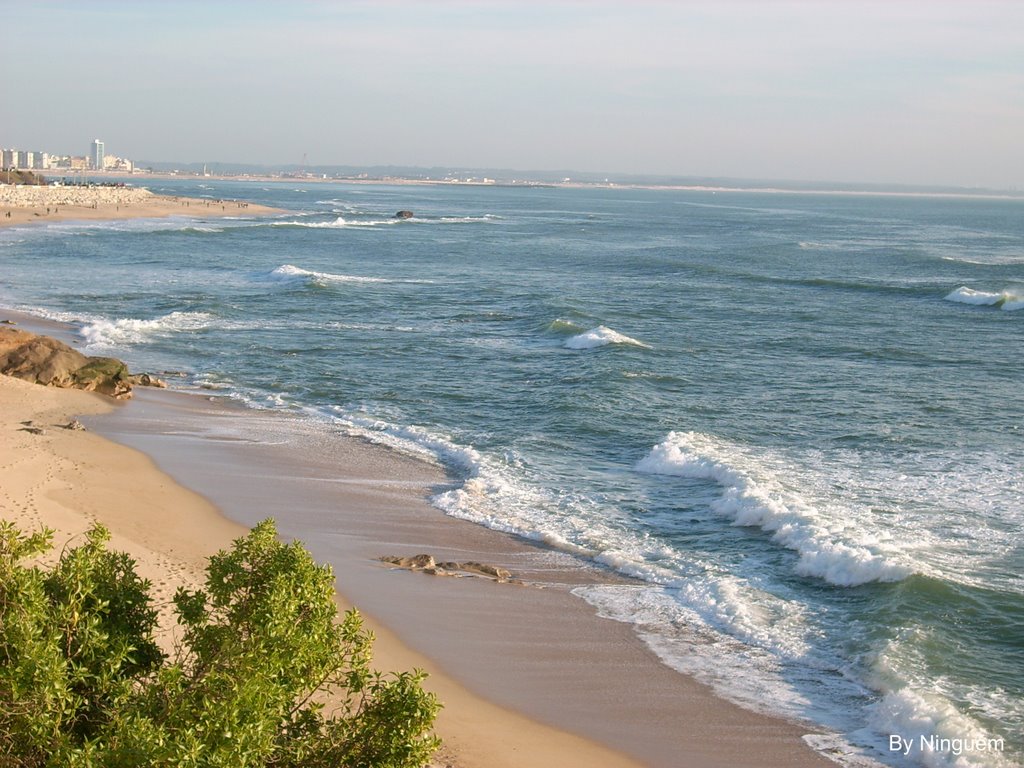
51	203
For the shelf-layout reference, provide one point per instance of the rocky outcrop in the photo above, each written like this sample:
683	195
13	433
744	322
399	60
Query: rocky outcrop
43	360
426	564
37	197
106	375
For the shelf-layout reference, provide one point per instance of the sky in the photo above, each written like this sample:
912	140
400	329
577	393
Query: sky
921	92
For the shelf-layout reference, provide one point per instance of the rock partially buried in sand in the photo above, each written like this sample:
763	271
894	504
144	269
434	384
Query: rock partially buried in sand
404	215
146	380
43	360
426	564
483	569
423	563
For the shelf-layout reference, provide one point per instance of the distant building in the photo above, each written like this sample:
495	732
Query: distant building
120	164
21	160
96	155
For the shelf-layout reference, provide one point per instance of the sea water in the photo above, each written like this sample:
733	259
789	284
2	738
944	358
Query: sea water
796	420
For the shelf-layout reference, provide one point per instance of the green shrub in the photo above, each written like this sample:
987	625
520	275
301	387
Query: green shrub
265	673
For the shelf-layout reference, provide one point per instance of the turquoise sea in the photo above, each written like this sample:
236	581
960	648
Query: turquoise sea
797	419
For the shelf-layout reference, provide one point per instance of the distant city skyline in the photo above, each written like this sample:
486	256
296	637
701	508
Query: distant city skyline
905	92
40	159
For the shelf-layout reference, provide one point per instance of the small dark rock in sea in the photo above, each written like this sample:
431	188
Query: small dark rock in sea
404	215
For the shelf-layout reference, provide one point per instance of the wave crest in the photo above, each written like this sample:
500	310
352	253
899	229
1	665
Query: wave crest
289	273
342	223
764	504
1006	300
599	337
107	334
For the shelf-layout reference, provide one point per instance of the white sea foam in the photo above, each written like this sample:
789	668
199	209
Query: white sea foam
103	333
680	634
501	495
134	226
462	219
930	726
1008	300
829	549
338	223
916	703
1012	257
695	631
342	223
291	273
599	337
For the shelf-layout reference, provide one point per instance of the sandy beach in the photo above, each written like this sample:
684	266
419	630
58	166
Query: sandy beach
527	673
32	204
68	480
529	676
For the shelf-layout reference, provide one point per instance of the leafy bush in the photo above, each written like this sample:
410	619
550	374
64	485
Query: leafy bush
265	674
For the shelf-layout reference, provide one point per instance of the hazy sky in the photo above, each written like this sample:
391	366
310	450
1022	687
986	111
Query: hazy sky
925	92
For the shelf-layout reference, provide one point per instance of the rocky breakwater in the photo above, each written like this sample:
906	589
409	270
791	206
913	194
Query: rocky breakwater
57	195
44	360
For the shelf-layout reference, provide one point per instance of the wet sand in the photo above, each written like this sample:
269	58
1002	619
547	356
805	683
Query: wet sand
529	675
534	648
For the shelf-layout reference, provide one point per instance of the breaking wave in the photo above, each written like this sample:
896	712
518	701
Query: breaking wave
116	334
291	273
837	553
1006	300
599	337
338	223
342	223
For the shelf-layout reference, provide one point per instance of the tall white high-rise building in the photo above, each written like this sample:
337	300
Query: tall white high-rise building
96	155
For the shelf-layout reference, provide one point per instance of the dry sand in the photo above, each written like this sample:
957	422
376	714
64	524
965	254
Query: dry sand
32	205
68	480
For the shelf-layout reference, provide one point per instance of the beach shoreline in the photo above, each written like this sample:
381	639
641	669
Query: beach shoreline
529	676
20	205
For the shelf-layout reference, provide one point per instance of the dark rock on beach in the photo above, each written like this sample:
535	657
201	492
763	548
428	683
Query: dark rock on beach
43	360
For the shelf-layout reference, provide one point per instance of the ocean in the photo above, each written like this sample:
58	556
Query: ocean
796	421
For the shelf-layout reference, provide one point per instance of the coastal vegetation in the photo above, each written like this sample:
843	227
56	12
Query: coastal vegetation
263	673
